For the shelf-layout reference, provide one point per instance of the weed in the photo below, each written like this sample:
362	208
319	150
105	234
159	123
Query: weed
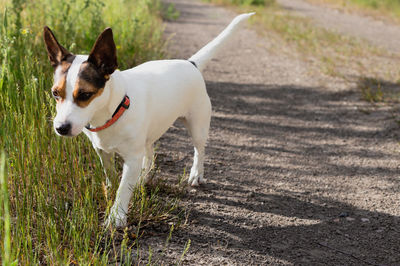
185	250
169	12
372	94
156	202
5	214
374	90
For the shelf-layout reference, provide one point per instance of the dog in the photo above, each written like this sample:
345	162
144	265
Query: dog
125	112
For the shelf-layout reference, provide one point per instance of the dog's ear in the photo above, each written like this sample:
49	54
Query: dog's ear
55	51
104	53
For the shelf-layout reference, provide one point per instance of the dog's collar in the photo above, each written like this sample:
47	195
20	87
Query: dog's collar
125	103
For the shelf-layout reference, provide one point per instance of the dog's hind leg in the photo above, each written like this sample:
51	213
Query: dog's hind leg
147	161
198	124
108	163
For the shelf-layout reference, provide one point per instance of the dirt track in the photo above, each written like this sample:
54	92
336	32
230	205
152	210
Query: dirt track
297	172
376	31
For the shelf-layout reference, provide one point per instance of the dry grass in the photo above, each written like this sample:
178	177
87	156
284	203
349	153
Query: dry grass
382	9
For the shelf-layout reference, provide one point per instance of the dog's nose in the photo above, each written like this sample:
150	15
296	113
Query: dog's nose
64	129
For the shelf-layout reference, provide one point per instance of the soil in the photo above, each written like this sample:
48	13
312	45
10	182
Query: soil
298	171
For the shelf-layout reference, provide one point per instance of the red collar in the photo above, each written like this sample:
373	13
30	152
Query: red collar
117	114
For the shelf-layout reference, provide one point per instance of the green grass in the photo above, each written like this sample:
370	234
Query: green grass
53	196
169	12
379	91
371	90
393	5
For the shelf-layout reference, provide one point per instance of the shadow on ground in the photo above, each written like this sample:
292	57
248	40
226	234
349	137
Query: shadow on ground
373	240
296	174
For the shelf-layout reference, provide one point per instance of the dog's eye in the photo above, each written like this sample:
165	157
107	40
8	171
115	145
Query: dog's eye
84	96
56	95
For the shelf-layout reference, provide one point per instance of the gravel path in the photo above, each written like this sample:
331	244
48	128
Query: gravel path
297	173
378	32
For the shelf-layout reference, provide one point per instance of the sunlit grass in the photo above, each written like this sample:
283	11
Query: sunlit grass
56	186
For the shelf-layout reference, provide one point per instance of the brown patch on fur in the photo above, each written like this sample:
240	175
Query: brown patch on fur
83	86
66	64
60	86
89	81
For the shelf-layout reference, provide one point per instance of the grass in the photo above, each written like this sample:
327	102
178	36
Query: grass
383	8
371	90
52	189
169	12
377	91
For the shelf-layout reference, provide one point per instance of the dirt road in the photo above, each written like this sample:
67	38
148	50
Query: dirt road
378	32
297	172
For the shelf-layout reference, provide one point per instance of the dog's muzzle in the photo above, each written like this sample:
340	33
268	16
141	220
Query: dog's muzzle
64	129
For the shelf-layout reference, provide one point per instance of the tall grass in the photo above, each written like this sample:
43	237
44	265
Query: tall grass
55	186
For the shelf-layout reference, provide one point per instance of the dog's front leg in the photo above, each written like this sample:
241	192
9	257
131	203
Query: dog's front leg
108	163
130	177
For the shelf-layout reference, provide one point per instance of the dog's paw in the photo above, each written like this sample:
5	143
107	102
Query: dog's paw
194	183
116	219
195	180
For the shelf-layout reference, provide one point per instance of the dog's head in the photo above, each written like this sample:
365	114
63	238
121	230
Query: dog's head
79	81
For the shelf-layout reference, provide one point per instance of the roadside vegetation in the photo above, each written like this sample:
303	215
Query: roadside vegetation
372	69
383	8
53	194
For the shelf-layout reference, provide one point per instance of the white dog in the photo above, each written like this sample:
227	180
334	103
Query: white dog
125	112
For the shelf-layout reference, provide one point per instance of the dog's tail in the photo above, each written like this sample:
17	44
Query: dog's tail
205	54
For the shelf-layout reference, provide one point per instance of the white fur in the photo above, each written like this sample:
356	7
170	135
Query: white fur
207	52
160	92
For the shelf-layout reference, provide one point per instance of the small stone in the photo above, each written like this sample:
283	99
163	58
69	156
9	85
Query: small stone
343	214
365	220
350	219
